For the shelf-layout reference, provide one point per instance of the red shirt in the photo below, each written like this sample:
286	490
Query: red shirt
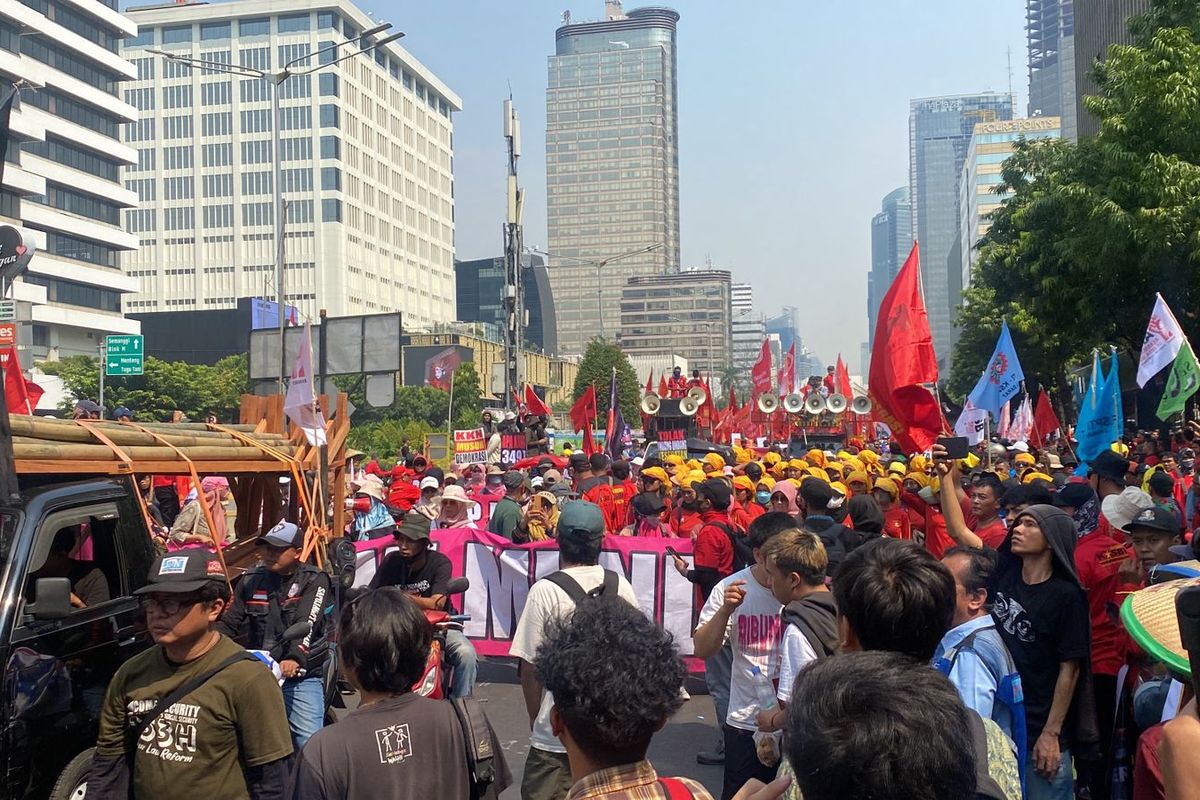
1147	771
993	534
1098	557
937	538
896	524
685	523
712	547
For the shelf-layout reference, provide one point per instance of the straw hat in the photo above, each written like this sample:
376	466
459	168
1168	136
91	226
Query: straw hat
455	493
1149	616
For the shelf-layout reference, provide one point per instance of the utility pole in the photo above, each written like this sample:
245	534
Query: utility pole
514	305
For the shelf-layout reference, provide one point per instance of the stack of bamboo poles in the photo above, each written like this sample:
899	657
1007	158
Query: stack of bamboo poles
51	440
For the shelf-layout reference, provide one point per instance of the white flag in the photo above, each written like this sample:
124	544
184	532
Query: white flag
1164	337
972	423
300	403
1022	423
1004	423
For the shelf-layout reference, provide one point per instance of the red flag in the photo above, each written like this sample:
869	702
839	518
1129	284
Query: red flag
1045	421
662	386
21	395
584	411
650	382
787	372
903	364
841	379
534	403
760	373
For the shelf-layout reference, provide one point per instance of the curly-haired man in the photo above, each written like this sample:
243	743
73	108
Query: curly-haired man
606	710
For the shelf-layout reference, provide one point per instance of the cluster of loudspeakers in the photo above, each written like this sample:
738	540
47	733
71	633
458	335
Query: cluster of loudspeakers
689	404
814	404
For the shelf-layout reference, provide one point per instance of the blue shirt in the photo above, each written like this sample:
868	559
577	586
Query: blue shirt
970	672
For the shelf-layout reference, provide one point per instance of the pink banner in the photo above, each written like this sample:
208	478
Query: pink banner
501	573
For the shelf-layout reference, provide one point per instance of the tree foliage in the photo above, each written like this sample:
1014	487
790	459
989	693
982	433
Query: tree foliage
384	438
596	368
1092	230
194	389
468	403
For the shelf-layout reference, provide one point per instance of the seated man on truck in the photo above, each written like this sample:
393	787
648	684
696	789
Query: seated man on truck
88	584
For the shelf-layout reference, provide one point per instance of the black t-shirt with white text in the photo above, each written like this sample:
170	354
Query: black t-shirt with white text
1043	625
432	578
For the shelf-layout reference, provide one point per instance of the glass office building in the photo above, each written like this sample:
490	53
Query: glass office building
939	133
1050	35
612	165
891	241
479	284
1098	24
991	145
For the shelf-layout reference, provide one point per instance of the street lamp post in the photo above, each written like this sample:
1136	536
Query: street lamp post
276	79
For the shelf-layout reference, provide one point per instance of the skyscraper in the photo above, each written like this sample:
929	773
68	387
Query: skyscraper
61	180
685	313
366	152
939	132
480	288
1098	23
1050	37
891	241
612	165
991	145
747	329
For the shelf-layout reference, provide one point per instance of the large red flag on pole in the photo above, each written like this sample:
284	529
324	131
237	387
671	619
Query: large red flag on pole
21	396
841	379
903	363
535	404
1045	421
787	372
760	373
582	414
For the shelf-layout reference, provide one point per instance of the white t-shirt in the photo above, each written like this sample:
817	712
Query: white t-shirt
795	653
754	630
548	602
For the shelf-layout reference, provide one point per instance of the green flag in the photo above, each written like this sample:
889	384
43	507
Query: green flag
1182	383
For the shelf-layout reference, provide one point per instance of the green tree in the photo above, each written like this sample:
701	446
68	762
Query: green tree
1092	230
596	368
468	403
195	389
385	437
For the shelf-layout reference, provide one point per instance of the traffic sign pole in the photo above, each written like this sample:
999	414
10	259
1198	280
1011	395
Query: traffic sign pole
103	360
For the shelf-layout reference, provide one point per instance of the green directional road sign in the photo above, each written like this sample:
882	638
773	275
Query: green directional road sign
123	355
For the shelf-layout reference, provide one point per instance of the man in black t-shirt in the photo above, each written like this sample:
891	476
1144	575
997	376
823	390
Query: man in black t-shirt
425	575
1042	614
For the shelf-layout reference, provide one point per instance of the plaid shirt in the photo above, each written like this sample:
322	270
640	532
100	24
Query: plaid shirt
631	782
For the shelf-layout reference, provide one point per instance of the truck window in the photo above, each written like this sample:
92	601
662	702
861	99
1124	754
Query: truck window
8	529
78	544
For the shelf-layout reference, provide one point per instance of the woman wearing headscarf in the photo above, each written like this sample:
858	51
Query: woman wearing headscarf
541	516
453	509
647	521
372	520
866	516
784	498
191	526
895	518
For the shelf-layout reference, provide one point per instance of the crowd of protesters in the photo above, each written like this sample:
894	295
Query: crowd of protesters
873	625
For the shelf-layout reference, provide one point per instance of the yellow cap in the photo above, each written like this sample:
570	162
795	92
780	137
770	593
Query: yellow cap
1024	459
692	478
1120	448
693	464
840	488
657	473
869	456
859	476
970	462
797	463
767	481
674	459
897	468
816	457
715	461
919	478
917	464
742	482
817	472
771	458
1030	477
888	485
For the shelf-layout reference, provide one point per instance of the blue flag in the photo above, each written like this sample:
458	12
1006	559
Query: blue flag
1100	413
1001	380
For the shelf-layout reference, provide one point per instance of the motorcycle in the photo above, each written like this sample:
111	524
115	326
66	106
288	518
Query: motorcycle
437	678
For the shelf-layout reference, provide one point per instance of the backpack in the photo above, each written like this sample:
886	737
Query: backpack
480	757
613	500
576	592
1008	691
743	553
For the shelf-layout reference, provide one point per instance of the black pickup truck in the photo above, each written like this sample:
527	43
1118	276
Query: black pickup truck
58	657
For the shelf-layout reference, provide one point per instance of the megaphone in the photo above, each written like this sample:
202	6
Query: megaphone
837	403
688	406
815	404
861	405
698	394
793	403
651	403
768	403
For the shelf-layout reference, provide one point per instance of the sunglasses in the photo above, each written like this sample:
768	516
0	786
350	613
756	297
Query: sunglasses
168	606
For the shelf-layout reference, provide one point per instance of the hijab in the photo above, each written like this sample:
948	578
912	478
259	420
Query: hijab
215	488
788	490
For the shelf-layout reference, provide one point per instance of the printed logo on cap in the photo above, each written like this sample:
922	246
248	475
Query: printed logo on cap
1146	516
278	526
214	568
175	565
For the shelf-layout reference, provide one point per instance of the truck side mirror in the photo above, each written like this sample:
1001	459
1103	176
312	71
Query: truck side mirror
53	598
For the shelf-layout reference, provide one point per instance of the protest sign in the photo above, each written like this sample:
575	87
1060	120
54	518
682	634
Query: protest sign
470	447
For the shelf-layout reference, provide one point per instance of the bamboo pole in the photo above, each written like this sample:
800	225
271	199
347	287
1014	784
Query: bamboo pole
27	448
51	431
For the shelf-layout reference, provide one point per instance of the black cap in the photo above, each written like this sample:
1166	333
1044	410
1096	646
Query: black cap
183	571
1110	465
1155	518
754	471
647	504
579	461
717	492
1074	495
284	534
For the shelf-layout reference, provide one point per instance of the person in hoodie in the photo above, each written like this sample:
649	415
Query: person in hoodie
866	517
839	540
1041	611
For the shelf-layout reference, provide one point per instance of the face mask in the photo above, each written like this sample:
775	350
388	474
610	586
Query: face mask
762	498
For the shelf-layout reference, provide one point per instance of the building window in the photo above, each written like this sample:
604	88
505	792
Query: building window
296	180
219	124
217	185
254	27
299	212
255	90
255	57
67	246
216	93
139	220
177	157
85	205
329	115
328	20
179	219
256	183
298	86
257	152
331	210
218	155
176	127
177	188
177	96
331	179
145	37
176	34
331	147
77	294
257	213
218	216
294	23
328	84
295	149
295	118
214	30
256	121
325	53
69	155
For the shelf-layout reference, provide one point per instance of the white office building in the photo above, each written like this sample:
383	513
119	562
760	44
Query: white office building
748	329
61	177
367	165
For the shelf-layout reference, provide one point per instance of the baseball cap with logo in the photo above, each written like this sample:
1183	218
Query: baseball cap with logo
284	534
1155	519
182	572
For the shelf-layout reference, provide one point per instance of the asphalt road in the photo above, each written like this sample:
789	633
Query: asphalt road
673	751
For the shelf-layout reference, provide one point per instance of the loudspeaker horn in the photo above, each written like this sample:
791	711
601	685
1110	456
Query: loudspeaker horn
815	404
651	403
698	394
688	406
768	403
837	403
861	405
793	403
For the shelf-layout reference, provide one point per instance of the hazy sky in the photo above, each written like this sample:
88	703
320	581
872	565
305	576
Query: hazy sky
793	124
